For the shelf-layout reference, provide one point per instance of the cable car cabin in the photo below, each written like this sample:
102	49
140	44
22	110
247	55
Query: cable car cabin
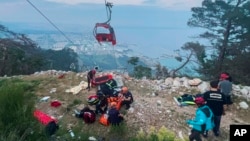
107	36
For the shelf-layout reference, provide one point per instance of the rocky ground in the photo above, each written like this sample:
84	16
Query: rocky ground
152	107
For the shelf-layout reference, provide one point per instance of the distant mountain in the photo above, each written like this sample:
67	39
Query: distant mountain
89	51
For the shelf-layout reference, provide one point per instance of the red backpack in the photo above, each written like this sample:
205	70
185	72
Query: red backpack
89	117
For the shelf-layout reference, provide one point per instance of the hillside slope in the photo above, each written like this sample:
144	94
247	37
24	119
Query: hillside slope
152	107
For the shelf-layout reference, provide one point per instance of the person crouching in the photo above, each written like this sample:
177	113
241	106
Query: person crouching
114	116
126	96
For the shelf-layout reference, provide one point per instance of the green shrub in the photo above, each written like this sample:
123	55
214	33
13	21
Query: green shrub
119	130
163	134
16	112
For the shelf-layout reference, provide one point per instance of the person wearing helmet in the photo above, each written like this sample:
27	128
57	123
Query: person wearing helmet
93	100
203	120
126	96
91	76
215	101
225	86
114	116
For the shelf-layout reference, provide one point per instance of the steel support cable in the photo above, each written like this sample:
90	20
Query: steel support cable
108	11
54	25
116	61
50	21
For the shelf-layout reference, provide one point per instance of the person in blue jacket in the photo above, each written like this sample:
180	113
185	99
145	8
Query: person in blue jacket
203	120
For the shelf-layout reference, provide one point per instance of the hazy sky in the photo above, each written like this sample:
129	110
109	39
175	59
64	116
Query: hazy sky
153	25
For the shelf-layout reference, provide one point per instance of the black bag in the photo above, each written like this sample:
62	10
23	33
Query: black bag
51	128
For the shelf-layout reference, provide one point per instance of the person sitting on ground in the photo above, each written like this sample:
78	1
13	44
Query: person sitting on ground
102	105
91	76
114	116
203	120
126	97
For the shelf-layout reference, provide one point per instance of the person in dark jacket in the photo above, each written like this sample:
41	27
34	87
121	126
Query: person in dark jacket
216	101
91	76
102	105
126	96
114	116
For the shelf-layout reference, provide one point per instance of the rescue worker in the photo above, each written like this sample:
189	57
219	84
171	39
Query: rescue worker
102	105
91	76
126	97
225	86
215	101
114	116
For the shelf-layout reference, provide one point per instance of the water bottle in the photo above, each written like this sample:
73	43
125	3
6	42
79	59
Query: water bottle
71	133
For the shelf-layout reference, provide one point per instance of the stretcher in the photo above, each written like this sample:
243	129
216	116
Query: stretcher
101	79
43	118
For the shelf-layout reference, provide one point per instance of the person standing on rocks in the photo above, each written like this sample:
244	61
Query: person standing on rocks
91	76
216	101
225	86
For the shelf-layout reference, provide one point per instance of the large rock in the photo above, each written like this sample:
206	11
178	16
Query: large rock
195	82
243	105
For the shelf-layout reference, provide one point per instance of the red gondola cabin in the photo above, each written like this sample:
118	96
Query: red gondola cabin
108	36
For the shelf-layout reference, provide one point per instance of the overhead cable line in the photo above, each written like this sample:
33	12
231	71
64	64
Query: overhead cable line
50	22
53	24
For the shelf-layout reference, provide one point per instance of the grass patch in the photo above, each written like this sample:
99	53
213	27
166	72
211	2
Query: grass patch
16	112
163	134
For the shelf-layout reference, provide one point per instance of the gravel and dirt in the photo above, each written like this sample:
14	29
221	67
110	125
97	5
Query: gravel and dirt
151	108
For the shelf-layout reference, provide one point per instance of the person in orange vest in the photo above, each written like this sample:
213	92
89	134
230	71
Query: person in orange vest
91	76
126	96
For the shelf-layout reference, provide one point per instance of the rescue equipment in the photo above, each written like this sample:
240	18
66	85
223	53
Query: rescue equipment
93	99
102	79
104	119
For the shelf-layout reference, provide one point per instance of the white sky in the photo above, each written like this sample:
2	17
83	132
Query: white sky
172	4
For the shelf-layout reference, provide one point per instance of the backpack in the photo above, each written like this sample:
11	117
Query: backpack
210	117
104	119
89	117
186	99
51	128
